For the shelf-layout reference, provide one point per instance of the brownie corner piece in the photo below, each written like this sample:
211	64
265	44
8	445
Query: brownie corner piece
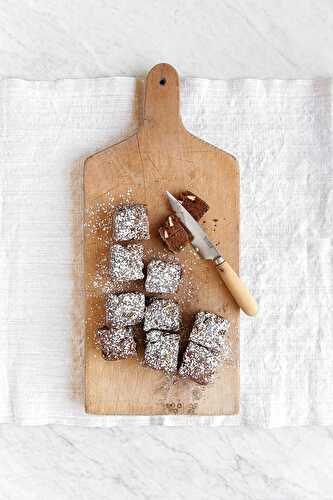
199	363
163	276
162	314
173	234
209	330
125	309
126	262
130	222
193	204
161	351
116	343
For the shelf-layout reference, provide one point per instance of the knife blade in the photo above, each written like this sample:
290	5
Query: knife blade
200	241
207	250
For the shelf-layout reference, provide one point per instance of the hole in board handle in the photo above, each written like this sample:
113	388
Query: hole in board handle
163	81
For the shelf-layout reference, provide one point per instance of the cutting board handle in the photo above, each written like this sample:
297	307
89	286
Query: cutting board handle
161	106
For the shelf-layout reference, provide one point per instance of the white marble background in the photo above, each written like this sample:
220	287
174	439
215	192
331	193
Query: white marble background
49	39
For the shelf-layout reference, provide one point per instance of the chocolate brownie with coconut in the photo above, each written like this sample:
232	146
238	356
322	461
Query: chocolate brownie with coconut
162	314
161	351
126	262
173	234
125	309
163	276
199	363
206	349
193	204
130	222
210	330
116	342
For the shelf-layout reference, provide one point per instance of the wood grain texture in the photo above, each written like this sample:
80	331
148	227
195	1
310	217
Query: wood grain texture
162	156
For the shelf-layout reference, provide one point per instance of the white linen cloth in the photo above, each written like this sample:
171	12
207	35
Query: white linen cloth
281	133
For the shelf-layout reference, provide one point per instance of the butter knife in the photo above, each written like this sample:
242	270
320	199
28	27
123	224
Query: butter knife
207	251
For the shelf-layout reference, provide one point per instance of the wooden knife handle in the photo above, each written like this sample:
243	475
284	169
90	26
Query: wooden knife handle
237	288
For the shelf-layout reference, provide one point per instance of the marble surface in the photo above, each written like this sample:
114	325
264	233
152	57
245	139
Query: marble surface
161	463
215	39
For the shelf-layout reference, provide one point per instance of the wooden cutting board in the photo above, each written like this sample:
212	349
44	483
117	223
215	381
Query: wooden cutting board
161	156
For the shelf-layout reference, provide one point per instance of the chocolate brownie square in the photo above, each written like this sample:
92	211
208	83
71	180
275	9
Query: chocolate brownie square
162	276
173	234
161	352
130	222
116	343
125	309
199	363
126	263
193	204
162	314
209	330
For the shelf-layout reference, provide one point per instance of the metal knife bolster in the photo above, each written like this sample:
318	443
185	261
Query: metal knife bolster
219	260
206	249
